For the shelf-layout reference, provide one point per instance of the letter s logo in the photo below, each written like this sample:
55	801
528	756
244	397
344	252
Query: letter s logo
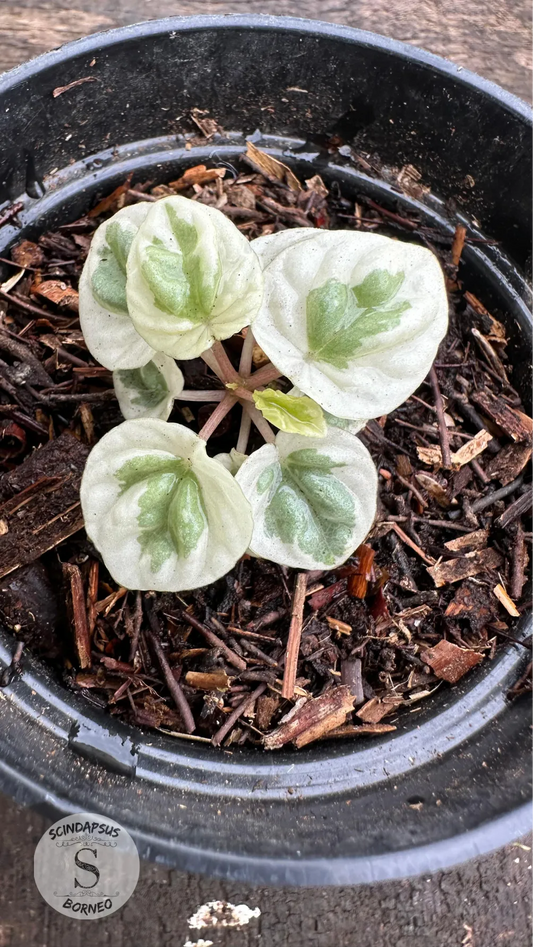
86	867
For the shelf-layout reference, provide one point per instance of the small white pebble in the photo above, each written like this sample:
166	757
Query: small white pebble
222	914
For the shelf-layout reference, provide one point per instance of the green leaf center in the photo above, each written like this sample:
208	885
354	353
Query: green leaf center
341	320
184	283
148	382
172	515
308	505
108	281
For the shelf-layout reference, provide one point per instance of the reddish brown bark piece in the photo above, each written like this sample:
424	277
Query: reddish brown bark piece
458	244
197	175
454	570
516	425
378	707
295	635
469	541
364	730
508	463
325	596
40	502
208	681
313	720
449	662
474	602
265	709
27	253
82	639
112	199
271	167
57	292
358	582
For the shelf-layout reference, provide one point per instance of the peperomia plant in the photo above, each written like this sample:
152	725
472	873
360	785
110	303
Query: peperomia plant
352	320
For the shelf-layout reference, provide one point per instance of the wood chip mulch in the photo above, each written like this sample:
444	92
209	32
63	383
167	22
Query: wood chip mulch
265	656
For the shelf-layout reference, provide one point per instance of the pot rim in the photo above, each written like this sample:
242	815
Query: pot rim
21	781
266	21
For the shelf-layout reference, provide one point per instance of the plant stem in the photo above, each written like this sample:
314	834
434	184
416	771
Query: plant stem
217	416
264	375
261	424
222	358
210	359
241	392
245	364
203	395
244	432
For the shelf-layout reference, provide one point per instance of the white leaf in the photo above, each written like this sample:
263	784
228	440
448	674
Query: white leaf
353	319
109	334
149	391
312	506
163	514
193	278
268	247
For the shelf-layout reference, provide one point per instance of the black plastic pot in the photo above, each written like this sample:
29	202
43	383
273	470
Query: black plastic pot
452	782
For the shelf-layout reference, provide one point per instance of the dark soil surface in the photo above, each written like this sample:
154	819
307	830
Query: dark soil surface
435	591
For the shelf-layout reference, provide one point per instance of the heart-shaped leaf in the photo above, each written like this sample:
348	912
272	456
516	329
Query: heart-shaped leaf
353	319
162	513
109	333
149	391
192	278
312	506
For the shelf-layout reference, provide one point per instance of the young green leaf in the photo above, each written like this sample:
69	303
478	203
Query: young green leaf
353	319
345	424
162	513
149	391
295	415
192	278
109	333
312	506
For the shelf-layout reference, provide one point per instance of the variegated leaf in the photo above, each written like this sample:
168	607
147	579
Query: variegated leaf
312	506
353	319
193	278
109	333
162	513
